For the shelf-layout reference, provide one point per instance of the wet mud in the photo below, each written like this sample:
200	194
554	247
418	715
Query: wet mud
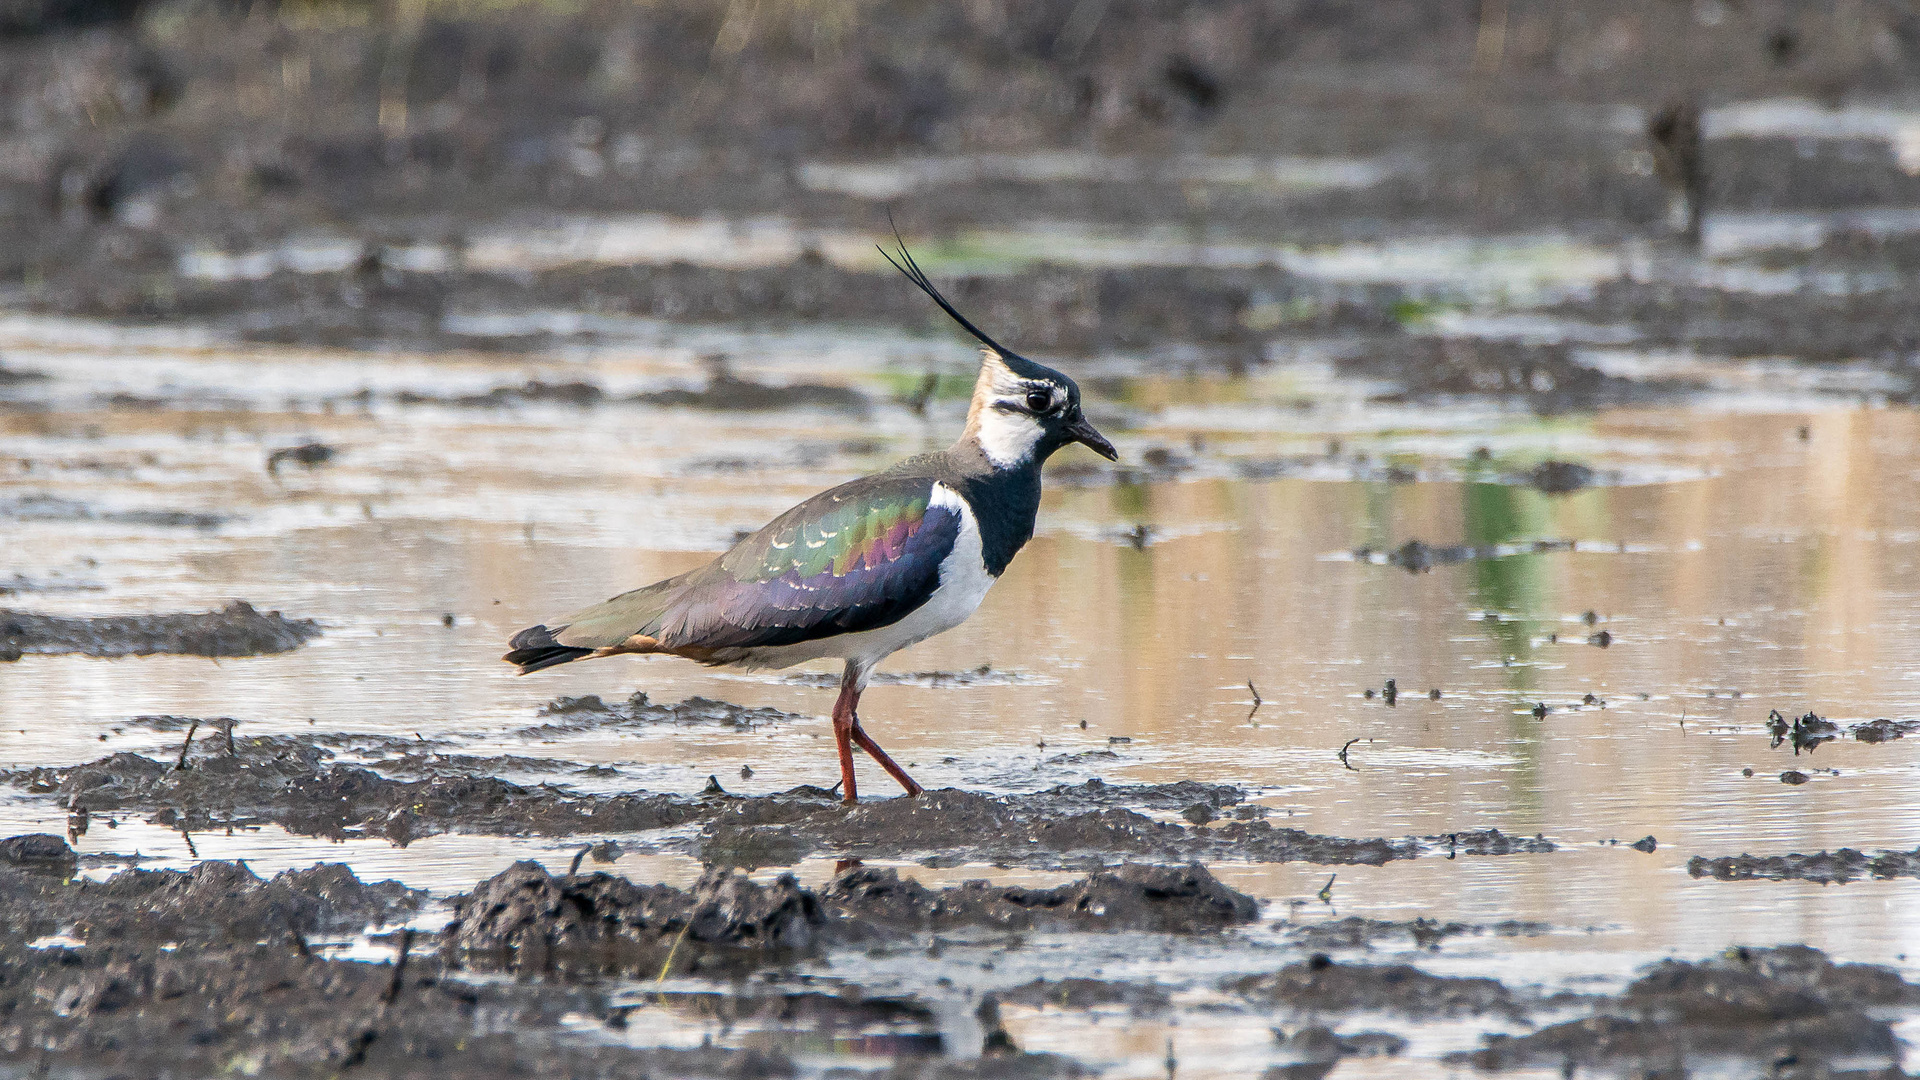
1418	557
343	785
106	970
235	630
1787	1011
723	391
1321	984
142	146
526	919
1546	376
42	507
1836	867
1354	932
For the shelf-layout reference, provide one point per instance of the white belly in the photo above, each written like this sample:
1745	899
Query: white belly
964	582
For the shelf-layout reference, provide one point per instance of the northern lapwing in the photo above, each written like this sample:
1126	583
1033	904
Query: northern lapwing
862	570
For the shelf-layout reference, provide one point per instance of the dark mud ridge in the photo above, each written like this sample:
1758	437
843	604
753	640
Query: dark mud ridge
525	919
42	507
402	789
235	630
1836	867
1809	731
723	391
1783	1012
159	970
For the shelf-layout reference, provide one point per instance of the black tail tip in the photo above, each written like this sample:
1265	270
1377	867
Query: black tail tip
535	648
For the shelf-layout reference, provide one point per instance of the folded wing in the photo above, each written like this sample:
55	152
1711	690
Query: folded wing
857	557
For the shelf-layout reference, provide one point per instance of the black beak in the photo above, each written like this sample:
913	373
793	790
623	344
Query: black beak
1083	433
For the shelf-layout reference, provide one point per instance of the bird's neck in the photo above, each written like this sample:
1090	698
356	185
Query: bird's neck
1005	499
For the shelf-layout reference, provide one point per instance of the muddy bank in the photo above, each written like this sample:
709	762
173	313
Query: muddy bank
1836	867
189	970
193	971
235	630
343	785
1063	827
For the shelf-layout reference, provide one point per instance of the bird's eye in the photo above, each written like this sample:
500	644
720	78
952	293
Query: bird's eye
1039	400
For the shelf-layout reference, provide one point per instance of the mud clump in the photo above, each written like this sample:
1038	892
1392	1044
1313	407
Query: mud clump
236	630
1077	993
1545	376
43	850
570	715
1790	1004
1418	557
526	919
1323	985
306	455
41	507
186	973
214	902
725	391
1157	899
1879	731
533	391
1561	477
1354	932
1836	867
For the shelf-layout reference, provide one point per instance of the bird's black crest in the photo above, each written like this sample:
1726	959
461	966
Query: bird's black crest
906	265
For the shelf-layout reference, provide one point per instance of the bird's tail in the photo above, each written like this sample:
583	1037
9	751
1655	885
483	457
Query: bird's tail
535	648
619	625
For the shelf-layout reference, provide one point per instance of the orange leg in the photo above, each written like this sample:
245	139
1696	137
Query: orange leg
844	725
873	750
847	733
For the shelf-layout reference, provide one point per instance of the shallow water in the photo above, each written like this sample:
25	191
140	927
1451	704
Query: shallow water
1748	552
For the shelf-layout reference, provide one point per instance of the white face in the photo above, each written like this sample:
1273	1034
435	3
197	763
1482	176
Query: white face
1001	418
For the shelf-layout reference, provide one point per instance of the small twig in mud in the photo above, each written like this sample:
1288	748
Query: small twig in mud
577	856
182	763
667	964
401	950
1344	749
1326	891
229	723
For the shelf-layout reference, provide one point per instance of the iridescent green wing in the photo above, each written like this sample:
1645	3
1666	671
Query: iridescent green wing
859	556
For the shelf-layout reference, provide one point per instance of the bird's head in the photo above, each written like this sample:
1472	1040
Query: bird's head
1022	411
